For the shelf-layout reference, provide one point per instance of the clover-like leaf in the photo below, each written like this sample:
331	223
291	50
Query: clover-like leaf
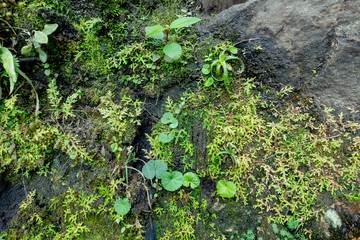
226	189
191	179
154	168
122	206
209	82
206	69
167	118
173	50
50	28
184	22
172	181
166	138
41	37
153	30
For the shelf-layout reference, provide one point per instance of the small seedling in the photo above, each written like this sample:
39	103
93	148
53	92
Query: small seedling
37	38
219	68
171	51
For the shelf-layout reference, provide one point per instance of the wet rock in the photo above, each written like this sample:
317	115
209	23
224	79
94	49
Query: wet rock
311	45
216	6
342	221
10	199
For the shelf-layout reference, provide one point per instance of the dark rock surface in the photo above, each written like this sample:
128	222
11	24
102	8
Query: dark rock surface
311	45
216	6
10	199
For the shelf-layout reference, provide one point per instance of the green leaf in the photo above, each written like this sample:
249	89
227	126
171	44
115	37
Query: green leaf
191	179
184	22
206	69
166	138
156	57
168	59
172	181
174	123
233	50
122	206
47	72
9	64
49	28
159	36
173	50
154	168
153	30
167	118
209	82
40	37
42	55
226	189
26	49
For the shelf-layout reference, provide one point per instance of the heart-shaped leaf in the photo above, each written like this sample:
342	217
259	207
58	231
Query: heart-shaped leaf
206	69
184	22
173	50
226	189
172	181
166	138
167	118
41	37
154	168
191	179
153	30
209	82
122	206
49	28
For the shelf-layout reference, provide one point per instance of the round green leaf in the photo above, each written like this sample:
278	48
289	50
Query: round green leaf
206	69
47	72
40	37
167	118
226	189
172	181
173	50
166	138
49	28
122	206
191	179
209	82
184	22
154	168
